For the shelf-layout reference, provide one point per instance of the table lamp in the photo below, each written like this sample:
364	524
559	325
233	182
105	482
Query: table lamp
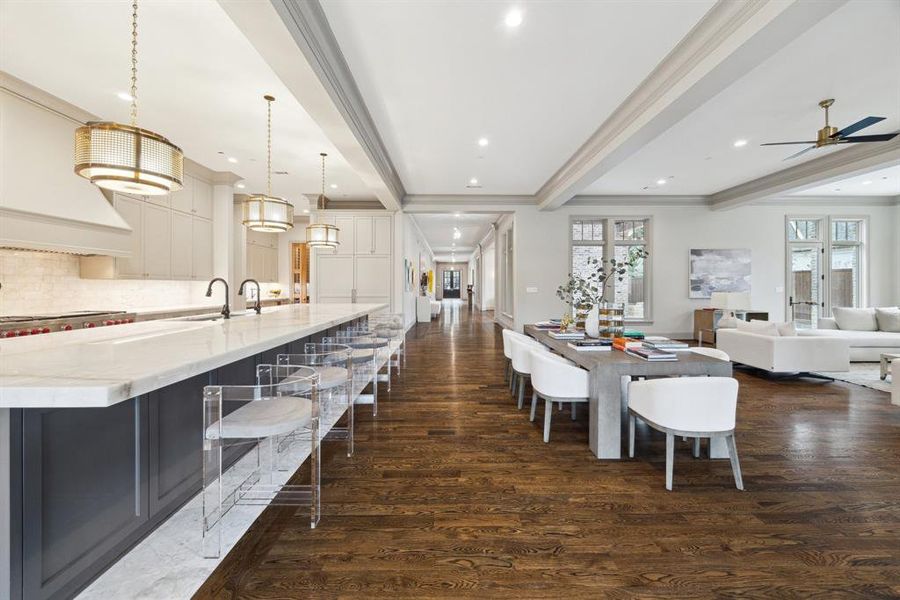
729	302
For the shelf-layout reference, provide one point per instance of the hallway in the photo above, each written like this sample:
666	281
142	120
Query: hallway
451	493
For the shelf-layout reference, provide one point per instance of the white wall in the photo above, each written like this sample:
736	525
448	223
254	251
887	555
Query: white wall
440	267
416	250
676	230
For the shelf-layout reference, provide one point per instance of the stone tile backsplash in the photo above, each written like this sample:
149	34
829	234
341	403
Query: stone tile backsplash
42	282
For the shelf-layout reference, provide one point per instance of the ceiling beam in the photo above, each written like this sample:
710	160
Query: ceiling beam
294	38
859	159
731	39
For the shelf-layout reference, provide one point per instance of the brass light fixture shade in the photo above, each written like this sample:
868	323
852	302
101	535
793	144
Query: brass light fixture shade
126	158
262	212
265	212
322	235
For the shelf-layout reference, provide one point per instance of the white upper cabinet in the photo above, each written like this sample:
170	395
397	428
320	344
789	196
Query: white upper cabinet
132	210
364	239
157	242
182	246
183	200
262	256
202	246
381	234
203	199
346	236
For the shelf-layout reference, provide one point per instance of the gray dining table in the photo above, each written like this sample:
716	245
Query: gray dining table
606	370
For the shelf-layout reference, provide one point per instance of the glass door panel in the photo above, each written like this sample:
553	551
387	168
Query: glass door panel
806	284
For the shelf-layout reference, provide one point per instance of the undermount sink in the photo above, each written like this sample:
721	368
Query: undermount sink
215	317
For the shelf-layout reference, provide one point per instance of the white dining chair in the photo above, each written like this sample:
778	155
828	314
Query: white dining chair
556	379
712	353
521	347
507	352
695	407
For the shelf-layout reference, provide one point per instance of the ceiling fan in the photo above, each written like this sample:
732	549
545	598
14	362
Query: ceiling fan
829	136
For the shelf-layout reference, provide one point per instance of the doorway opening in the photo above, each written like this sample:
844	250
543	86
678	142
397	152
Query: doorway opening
451	284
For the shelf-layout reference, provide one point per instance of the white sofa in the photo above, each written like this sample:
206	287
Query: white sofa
784	354
865	346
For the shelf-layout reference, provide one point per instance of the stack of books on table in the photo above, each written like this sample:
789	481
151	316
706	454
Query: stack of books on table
651	354
633	334
549	324
657	342
566	335
625	343
591	345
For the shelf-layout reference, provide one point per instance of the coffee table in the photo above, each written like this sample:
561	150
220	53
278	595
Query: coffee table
886	360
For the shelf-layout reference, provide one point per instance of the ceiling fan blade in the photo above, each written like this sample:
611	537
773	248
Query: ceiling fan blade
861	124
787	143
870	138
795	155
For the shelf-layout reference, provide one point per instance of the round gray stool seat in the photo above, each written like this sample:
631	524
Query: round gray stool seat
264	418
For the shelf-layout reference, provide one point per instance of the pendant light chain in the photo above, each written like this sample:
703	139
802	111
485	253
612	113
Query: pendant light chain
269	146
323	174
134	42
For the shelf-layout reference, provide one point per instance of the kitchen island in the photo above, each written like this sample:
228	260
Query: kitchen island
101	431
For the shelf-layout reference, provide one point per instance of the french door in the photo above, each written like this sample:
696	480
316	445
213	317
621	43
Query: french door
451	282
805	284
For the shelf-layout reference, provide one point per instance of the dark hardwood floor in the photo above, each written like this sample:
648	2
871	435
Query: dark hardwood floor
452	494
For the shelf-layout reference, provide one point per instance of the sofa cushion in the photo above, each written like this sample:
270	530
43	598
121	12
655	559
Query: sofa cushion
758	327
858	339
888	319
855	319
787	329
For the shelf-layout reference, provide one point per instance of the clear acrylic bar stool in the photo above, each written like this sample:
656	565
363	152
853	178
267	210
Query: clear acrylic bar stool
369	353
392	326
334	365
270	419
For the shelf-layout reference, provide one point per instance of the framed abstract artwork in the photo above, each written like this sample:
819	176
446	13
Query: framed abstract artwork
719	270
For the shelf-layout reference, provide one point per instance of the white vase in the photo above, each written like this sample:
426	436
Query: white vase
592	322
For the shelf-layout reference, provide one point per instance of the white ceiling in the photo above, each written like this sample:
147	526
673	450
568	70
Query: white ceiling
200	84
438	231
852	55
883	182
438	75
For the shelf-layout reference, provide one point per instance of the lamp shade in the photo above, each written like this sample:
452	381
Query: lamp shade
730	300
124	158
267	213
322	235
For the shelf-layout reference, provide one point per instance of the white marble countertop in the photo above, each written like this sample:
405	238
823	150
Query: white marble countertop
101	367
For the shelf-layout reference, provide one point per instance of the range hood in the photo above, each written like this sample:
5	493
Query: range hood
43	204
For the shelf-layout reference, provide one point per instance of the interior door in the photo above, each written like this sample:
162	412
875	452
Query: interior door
451	281
806	283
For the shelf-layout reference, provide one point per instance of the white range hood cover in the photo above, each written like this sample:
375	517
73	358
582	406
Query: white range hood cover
43	204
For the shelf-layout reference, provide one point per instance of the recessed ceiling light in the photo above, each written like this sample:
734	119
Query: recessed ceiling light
125	96
660	182
232	159
334	186
867	183
483	142
740	143
513	18
240	186
456	215
306	211
473	181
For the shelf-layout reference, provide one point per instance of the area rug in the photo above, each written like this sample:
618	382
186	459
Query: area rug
864	374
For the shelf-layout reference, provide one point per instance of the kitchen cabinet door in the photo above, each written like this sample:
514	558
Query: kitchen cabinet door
346	236
131	210
373	276
202	249
365	244
182	246
157	242
183	199
335	277
203	199
381	232
271	264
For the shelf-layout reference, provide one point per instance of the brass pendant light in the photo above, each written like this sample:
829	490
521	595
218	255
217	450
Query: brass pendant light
126	158
265	212
322	235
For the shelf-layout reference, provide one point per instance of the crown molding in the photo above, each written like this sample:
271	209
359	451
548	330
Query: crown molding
831	167
719	50
639	201
841	201
308	25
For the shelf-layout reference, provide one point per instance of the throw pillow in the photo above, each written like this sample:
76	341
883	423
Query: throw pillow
787	329
758	327
855	319
888	319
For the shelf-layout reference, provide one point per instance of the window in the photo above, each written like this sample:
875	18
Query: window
604	238
845	262
825	264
